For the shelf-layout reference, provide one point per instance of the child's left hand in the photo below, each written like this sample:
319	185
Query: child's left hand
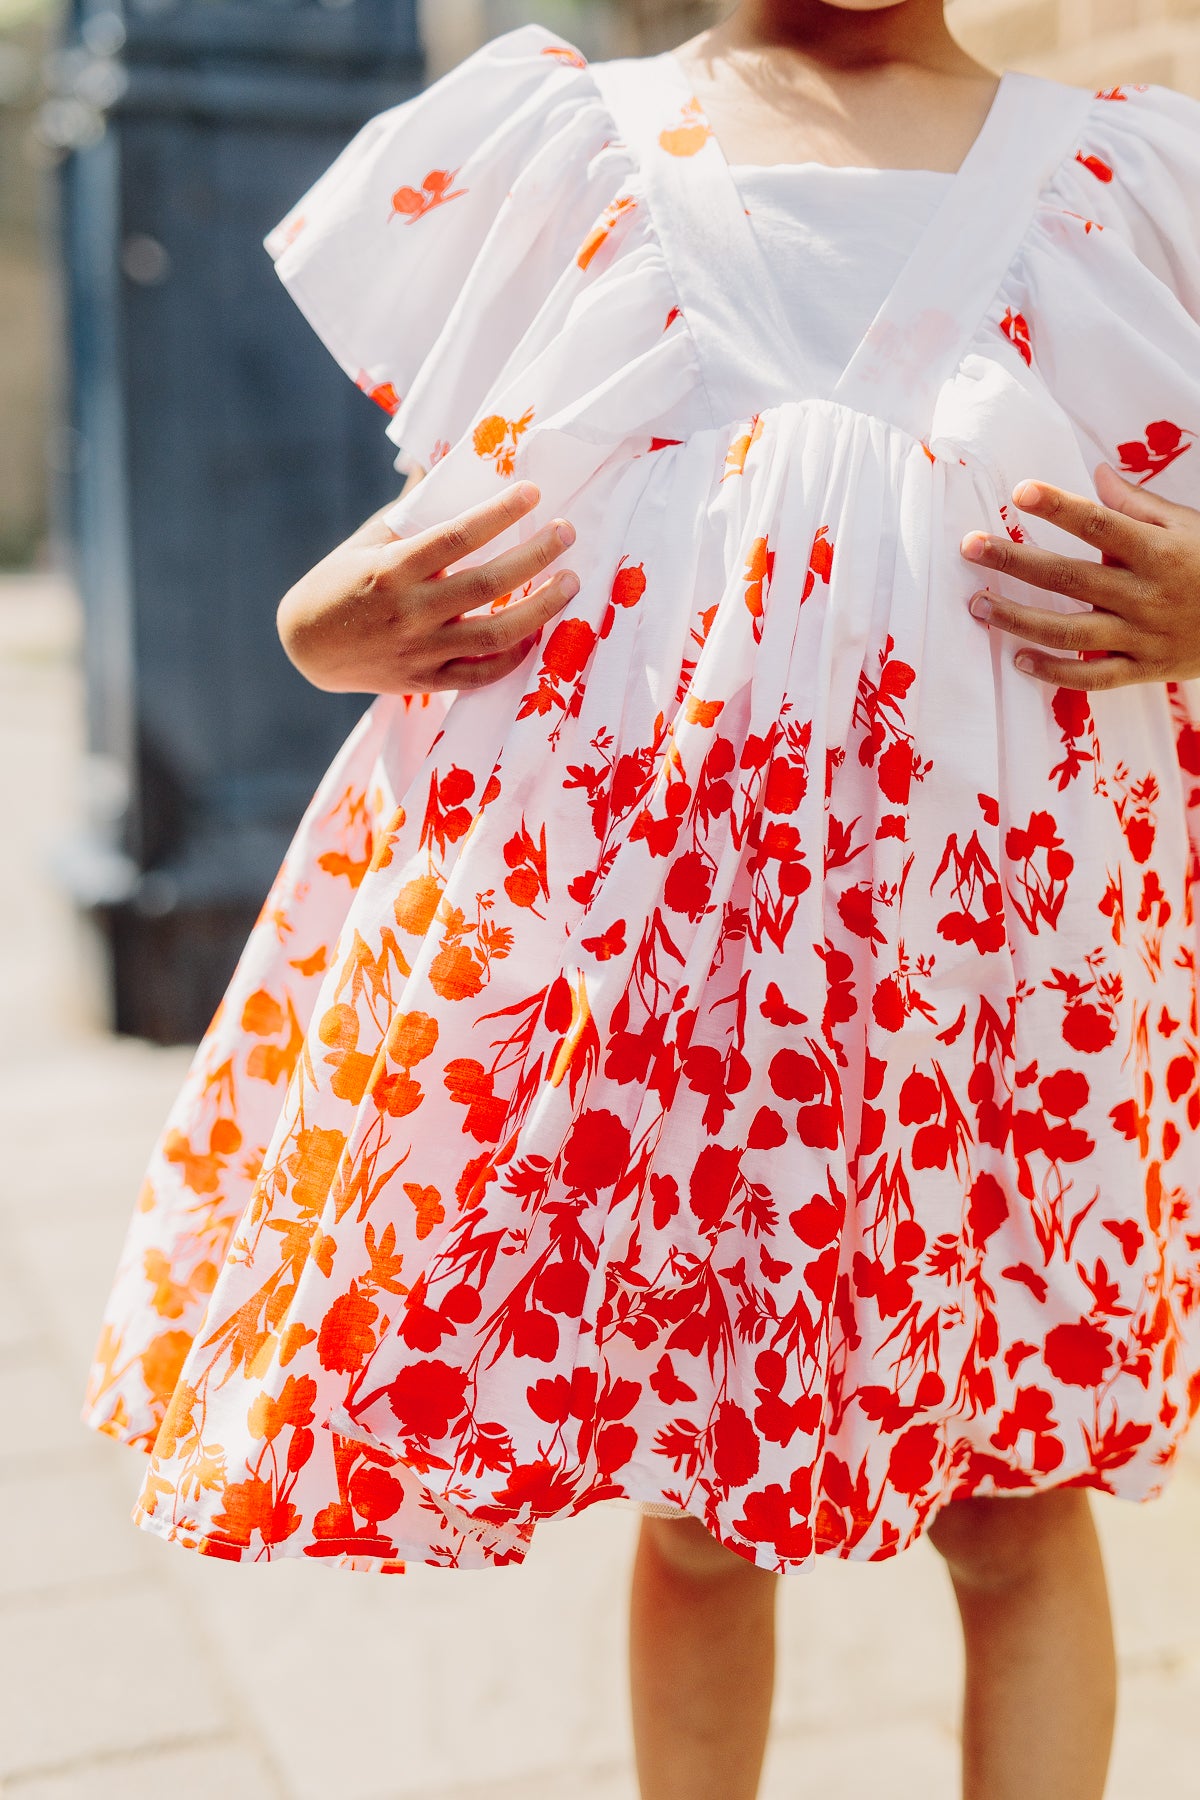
1145	625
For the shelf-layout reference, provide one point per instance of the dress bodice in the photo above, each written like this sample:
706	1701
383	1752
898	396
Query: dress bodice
835	240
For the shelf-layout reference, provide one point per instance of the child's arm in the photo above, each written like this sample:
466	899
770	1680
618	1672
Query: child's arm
1145	595
381	615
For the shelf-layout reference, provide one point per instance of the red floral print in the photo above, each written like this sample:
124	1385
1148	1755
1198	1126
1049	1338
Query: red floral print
1016	329
1155	450
748	1058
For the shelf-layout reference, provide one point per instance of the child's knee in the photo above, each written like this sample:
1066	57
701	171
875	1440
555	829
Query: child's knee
688	1549
997	1542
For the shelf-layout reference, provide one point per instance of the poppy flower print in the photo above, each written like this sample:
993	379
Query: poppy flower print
381	392
497	439
437	189
745	1060
1095	166
1016	329
601	232
1155	450
689	132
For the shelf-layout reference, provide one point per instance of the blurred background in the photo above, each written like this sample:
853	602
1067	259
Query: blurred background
175	448
179	445
178	442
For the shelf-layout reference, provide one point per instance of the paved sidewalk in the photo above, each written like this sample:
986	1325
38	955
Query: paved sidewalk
131	1670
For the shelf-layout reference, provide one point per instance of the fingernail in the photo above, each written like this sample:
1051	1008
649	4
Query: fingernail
1027	493
974	545
1024	663
981	606
526	493
569	586
566	533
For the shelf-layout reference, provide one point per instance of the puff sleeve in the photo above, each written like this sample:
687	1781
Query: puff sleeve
1107	289
1141	161
481	260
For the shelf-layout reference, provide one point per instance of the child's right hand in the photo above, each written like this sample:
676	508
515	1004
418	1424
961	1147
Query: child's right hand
381	614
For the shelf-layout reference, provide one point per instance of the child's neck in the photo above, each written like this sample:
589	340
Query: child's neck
808	81
844	37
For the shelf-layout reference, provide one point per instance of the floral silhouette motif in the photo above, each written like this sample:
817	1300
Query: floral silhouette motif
381	392
603	229
436	190
518	1170
689	133
820	562
497	438
566	53
1155	450
739	450
1016	329
760	566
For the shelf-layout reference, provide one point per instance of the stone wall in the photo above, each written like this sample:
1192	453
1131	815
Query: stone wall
1087	42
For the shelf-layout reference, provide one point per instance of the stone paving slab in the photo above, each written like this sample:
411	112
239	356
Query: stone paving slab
36	1407
109	1668
17	1321
130	1669
73	1533
439	1678
201	1771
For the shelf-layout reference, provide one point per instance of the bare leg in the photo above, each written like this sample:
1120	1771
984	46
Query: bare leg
701	1664
1041	1675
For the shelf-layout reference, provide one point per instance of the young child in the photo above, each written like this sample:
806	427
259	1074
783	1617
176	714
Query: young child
724	1038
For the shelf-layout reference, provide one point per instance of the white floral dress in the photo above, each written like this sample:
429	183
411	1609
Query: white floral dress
746	1059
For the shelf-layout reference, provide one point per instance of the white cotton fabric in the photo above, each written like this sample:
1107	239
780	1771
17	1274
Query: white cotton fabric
768	941
835	239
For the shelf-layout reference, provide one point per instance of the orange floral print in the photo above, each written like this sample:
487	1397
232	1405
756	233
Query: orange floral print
760	566
526	881
565	658
437	189
580	1032
496	439
739	450
820	562
566	53
291	230
381	392
602	230
749	1057
689	134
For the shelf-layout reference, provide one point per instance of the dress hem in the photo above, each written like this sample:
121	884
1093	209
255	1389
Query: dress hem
400	1555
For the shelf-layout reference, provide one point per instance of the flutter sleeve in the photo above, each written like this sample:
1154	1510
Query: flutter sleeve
1143	149
479	261
1109	282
